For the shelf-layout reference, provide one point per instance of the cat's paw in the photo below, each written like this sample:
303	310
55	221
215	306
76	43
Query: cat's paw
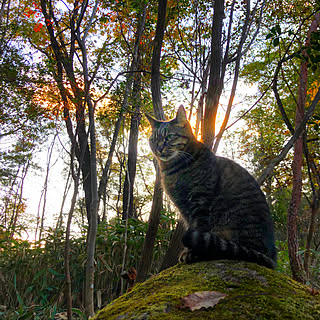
185	256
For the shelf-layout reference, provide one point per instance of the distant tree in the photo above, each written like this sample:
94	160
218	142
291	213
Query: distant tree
24	123
75	64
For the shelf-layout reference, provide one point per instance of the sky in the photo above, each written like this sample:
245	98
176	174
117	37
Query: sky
34	184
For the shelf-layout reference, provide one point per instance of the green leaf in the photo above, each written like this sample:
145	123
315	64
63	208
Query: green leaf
269	36
56	273
314	67
276	41
79	313
313	59
274	30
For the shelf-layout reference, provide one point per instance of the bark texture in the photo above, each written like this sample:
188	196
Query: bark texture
154	218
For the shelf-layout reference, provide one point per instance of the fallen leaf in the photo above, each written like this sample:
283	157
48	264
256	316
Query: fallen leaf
313	291
202	299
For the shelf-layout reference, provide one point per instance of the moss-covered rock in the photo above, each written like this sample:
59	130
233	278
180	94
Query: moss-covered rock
253	292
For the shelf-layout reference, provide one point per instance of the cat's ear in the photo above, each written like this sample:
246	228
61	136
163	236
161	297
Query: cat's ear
151	120
181	117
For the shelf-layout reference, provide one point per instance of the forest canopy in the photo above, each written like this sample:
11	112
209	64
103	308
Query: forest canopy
78	77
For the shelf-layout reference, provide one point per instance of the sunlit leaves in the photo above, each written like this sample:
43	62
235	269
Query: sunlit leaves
315	122
311	53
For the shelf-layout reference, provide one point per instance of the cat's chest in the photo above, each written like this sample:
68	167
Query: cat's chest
187	188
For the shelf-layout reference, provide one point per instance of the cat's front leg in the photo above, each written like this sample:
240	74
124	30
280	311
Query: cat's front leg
192	251
187	256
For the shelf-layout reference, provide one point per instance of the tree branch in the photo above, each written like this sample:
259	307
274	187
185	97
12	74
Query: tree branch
292	140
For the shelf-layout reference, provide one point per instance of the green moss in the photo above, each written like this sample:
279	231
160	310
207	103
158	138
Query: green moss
254	292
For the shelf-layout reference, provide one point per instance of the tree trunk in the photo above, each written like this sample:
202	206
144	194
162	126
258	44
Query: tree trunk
127	207
17	205
203	88
154	218
105	174
64	197
315	210
155	63
298	131
212	101
244	34
93	222
215	78
175	247
315	205
93	207
293	244
68	290
45	187
153	224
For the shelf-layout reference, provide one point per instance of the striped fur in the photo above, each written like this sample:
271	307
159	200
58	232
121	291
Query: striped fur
222	204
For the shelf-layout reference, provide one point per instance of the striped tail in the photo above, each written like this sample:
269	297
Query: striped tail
203	246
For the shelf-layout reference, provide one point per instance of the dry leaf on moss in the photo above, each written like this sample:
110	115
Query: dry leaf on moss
202	299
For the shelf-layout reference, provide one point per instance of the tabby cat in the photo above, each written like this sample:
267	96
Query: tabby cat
226	212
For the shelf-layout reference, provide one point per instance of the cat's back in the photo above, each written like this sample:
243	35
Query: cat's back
240	188
234	177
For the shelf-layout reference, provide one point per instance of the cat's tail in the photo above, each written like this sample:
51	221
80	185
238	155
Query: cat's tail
208	246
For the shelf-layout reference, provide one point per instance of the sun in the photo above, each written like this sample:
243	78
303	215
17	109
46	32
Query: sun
218	124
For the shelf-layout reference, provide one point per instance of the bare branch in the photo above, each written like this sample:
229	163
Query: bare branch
235	78
292	140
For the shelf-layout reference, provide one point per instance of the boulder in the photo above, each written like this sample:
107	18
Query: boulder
219	290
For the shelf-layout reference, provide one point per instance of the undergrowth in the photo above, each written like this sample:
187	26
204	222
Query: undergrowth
32	274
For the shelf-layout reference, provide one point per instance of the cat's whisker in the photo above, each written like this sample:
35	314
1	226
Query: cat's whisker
185	155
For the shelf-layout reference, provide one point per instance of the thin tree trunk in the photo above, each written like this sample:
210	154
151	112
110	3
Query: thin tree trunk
5	210
298	131
235	77
199	119
105	174
215	78
293	244
175	247
154	218
64	197
127	206
92	231
46	186
76	179
153	224
315	210
17	206
315	205
93	207
155	63
203	86
207	125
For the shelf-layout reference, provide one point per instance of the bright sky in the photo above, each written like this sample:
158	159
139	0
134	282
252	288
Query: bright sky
34	183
